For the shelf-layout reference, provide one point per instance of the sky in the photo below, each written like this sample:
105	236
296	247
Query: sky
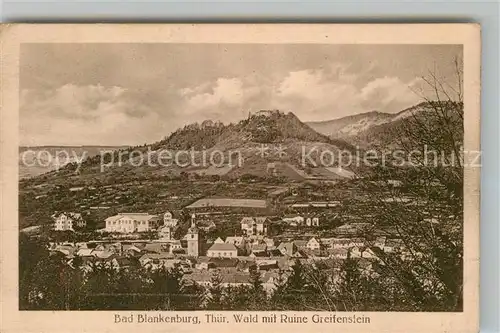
129	94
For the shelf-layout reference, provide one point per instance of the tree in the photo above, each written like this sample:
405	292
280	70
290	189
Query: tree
293	291
428	274
215	292
50	285
167	283
258	297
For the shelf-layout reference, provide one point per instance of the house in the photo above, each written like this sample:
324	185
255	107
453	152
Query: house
301	244
269	242
327	242
258	247
271	169
312	221
115	247
359	242
175	245
207	225
237	241
258	255
315	204
265	265
204	263
258	250
223	251
275	253
157	247
68	221
104	254
132	222
219	241
245	265
368	254
313	244
169	221
271	279
160	246
165	232
287	248
122	262
340	243
254	225
338	253
157	260
356	252
131	250
67	250
84	252
293	220
362	252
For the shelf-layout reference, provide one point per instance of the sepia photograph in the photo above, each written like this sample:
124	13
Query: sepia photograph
243	181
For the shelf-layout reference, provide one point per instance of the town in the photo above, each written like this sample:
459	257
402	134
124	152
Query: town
191	239
270	243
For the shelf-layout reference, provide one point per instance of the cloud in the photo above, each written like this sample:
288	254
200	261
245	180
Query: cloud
71	101
334	92
92	114
113	115
220	98
389	93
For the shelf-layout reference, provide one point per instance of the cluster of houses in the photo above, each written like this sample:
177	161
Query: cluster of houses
259	225
253	247
232	256
128	223
253	242
271	261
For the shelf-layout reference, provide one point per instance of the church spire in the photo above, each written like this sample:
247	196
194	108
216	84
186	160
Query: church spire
193	223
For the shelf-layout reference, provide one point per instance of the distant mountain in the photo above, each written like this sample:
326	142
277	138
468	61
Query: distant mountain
351	125
37	160
373	128
417	121
89	150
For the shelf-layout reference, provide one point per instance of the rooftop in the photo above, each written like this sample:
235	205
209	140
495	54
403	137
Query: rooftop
223	247
133	216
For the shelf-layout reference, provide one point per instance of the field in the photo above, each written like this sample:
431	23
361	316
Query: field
228	202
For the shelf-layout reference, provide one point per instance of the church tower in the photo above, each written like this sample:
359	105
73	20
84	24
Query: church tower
193	241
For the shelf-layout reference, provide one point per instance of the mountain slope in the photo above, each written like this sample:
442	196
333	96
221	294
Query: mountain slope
375	128
350	125
417	121
264	137
262	127
34	161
